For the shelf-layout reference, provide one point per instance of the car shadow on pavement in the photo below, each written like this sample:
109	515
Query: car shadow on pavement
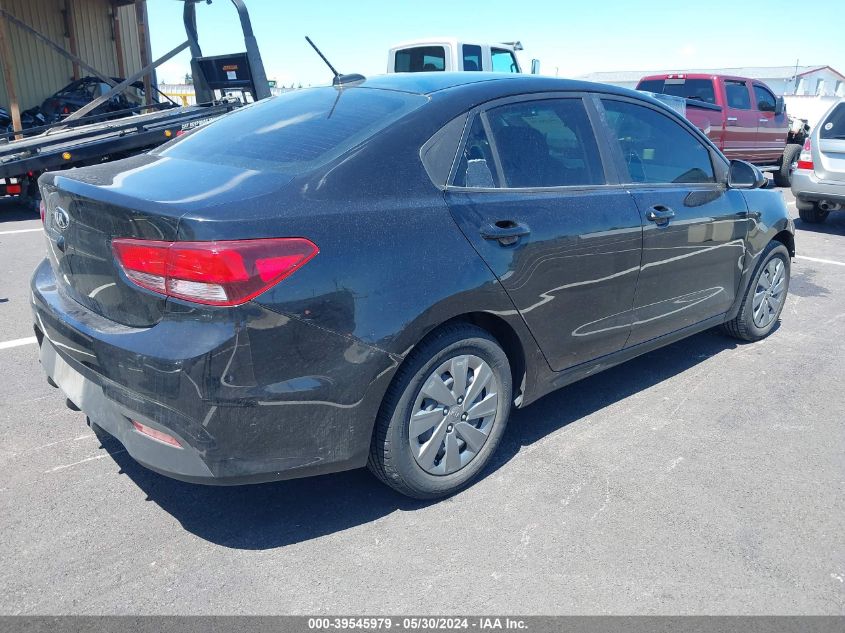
266	516
834	225
12	211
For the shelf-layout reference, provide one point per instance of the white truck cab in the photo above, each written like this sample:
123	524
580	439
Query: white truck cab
451	54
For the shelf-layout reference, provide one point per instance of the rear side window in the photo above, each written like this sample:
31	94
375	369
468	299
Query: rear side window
698	89
655	148
834	124
420	59
472	57
736	93
503	61
477	168
764	98
297	131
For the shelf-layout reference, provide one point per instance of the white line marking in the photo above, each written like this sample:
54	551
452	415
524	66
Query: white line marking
18	342
20	231
82	461
821	261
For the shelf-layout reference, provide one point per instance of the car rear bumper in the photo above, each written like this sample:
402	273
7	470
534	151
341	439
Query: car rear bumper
249	394
808	188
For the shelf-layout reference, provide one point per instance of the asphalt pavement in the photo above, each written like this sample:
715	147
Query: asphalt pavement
703	478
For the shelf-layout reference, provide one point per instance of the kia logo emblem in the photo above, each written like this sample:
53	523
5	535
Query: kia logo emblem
61	218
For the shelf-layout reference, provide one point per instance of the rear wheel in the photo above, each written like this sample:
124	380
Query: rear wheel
765	296
782	176
444	414
812	215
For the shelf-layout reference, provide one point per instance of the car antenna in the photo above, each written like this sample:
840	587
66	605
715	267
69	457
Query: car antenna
339	80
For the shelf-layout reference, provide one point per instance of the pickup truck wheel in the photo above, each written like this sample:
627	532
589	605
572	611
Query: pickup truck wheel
765	296
813	215
790	155
443	415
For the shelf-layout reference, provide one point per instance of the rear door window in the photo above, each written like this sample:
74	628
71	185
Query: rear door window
834	125
472	57
503	61
297	131
655	148
420	59
764	98
736	93
544	143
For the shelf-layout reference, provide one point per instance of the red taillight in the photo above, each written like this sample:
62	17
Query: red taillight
156	435
65	110
213	273
13	190
42	208
805	160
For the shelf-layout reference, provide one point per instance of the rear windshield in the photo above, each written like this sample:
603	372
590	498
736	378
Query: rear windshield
698	89
297	131
834	125
420	59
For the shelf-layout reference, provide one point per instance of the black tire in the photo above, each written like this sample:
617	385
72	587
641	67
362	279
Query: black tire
812	215
742	326
391	457
782	176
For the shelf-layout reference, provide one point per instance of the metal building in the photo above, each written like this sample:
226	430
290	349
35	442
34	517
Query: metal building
109	35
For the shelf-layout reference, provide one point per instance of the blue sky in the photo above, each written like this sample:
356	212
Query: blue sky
570	39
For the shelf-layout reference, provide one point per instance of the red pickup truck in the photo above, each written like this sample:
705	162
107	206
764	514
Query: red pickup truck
741	116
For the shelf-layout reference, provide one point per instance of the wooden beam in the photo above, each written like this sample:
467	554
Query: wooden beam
144	44
70	29
118	41
7	61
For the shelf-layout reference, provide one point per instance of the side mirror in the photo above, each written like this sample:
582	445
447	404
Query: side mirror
780	106
535	66
742	175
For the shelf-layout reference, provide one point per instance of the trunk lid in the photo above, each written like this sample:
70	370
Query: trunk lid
141	197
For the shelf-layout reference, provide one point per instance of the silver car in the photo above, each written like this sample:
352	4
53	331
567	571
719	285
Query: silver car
818	182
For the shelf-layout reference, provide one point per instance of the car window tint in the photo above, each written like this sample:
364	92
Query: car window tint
420	59
503	61
764	98
547	143
656	149
472	57
737	95
476	167
296	131
698	89
834	124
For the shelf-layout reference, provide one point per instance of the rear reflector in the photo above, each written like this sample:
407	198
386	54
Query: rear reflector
805	159
164	438
213	273
42	208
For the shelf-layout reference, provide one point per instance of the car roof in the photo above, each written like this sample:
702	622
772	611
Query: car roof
430	82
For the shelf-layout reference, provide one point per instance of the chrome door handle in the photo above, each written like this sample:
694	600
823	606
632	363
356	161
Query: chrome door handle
763	120
732	118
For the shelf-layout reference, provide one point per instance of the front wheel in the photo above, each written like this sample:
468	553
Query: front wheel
765	296
444	414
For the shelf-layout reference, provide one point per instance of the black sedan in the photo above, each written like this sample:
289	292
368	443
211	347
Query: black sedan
378	273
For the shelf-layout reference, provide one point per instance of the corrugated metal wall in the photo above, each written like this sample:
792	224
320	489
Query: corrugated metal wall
39	70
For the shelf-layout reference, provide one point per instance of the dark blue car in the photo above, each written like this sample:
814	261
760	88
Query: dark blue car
376	274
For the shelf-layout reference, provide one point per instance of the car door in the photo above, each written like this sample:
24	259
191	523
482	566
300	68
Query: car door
531	193
694	228
740	121
771	127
